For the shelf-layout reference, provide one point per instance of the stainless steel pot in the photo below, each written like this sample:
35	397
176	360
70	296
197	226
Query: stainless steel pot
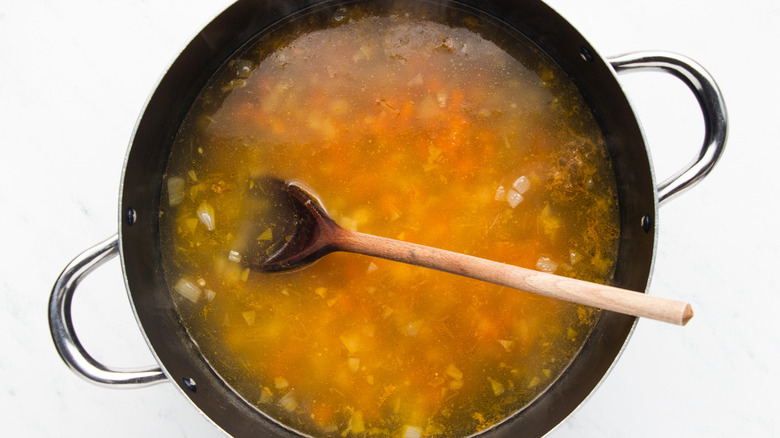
178	358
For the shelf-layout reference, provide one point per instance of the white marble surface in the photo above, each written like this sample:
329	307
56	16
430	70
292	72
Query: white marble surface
74	77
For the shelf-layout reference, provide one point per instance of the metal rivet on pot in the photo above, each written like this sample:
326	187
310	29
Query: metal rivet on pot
130	216
585	54
189	383
647	223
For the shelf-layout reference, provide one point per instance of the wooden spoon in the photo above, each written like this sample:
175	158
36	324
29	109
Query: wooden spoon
295	230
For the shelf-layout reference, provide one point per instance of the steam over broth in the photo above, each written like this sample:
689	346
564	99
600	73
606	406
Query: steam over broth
408	129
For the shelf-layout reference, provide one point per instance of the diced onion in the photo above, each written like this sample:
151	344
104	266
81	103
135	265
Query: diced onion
354	364
234	256
265	396
210	294
249	316
413	328
521	185
244	68
498	387
372	267
175	190
506	344
513	198
268	234
288	401
545	264
416	81
500	193
442	99
188	290
281	383
191	224
454	372
356	425
206	215
412	432
351	342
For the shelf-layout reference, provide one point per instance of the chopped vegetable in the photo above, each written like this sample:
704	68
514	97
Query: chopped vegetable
351	342
500	193
175	190
234	256
266	396
249	316
413	328
513	198
268	234
412	432
354	364
416	81
206	215
188	290
356	425
549	223
454	372
281	383
498	387
442	99
521	185
191	224
288	401
545	264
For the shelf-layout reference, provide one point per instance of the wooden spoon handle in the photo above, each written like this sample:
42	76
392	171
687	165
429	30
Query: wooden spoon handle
541	283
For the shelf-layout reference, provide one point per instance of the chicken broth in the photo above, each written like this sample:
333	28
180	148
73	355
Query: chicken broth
409	129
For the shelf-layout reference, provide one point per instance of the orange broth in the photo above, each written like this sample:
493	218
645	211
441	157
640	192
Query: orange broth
408	129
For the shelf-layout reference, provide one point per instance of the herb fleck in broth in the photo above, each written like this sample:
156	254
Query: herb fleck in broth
412	130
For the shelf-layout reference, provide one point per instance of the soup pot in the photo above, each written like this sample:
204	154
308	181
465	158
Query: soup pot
137	241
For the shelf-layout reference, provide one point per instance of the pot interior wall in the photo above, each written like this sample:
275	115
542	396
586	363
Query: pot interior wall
146	162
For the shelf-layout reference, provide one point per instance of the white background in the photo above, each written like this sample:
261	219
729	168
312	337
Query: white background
74	76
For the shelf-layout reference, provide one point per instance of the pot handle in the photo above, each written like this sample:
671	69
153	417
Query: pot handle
64	336
712	107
